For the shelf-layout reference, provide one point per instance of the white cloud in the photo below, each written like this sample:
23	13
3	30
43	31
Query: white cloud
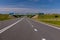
50	10
19	10
28	10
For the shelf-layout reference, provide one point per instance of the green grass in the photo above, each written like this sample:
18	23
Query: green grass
48	16
4	17
50	19
30	16
53	22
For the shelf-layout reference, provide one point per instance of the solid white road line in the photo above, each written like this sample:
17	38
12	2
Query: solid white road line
4	29
50	25
47	24
35	30
43	39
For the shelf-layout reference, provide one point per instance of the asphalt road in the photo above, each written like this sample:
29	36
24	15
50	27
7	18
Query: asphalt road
27	29
7	22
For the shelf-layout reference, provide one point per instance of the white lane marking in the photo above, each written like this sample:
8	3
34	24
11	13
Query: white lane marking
50	25
32	26
29	23
47	24
43	39
4	29
35	30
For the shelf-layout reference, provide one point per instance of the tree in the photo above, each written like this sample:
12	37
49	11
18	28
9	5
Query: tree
40	13
56	16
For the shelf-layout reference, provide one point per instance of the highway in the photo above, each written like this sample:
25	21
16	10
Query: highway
27	29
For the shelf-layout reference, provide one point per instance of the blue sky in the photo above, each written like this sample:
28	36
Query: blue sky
30	6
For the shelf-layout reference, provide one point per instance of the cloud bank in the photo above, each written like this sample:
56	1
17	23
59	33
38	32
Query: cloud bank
28	10
18	10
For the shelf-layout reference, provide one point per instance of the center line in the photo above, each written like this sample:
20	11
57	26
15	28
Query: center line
43	39
29	23
35	30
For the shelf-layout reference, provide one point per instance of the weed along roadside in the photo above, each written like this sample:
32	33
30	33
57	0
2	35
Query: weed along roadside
4	17
49	19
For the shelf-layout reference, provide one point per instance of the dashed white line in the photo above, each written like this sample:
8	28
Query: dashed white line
32	26
30	23
43	39
35	30
4	29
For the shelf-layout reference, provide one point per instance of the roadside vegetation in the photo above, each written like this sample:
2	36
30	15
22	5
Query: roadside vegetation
30	16
53	19
17	16
7	16
4	17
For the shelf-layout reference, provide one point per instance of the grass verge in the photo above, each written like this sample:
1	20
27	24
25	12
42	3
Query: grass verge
4	17
51	22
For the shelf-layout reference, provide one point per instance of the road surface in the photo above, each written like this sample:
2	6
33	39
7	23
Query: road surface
27	29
